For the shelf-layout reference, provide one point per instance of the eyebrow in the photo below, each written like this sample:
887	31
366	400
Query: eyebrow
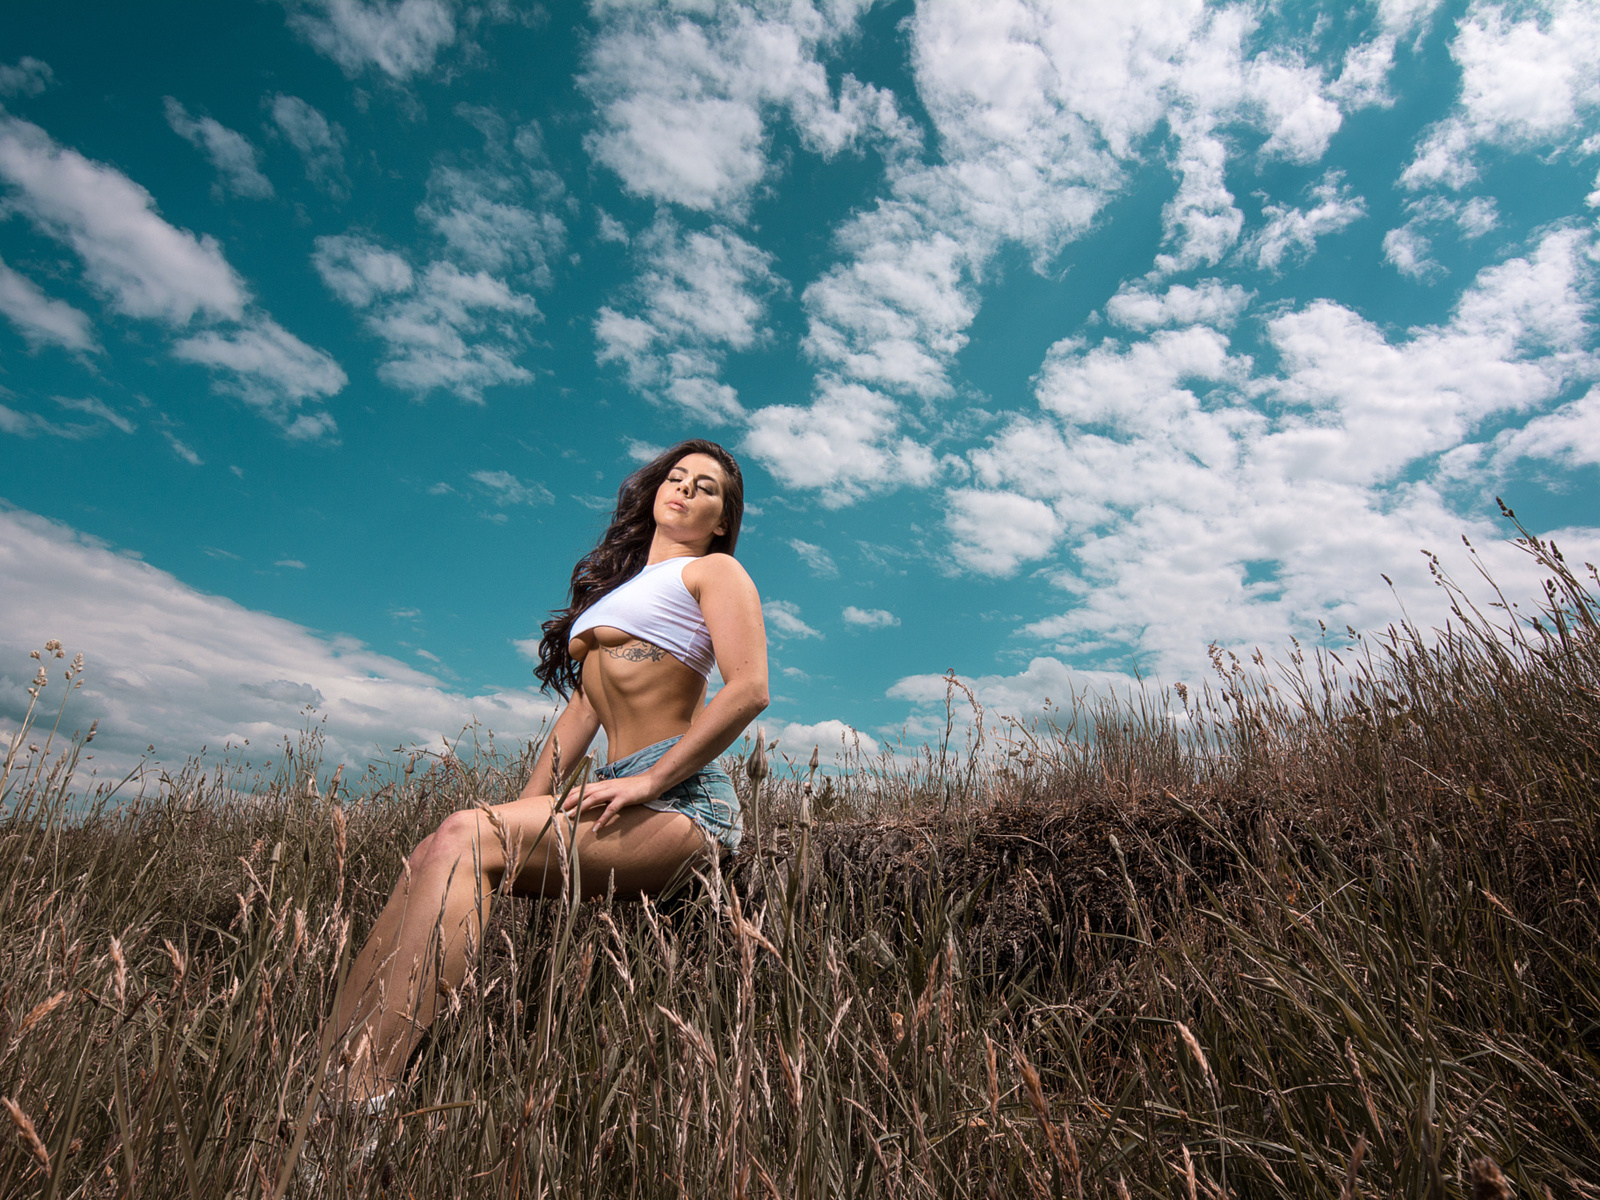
703	475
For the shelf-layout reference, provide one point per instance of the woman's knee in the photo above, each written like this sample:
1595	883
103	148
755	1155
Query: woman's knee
460	836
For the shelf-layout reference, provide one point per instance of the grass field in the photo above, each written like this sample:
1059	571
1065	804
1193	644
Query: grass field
1325	929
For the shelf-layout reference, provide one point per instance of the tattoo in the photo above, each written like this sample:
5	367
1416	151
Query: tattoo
636	652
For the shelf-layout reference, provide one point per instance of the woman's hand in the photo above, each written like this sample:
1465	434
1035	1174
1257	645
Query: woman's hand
612	795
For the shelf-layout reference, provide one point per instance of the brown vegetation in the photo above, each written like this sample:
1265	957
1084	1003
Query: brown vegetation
1324	931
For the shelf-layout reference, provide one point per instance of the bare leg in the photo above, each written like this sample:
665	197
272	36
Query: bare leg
435	918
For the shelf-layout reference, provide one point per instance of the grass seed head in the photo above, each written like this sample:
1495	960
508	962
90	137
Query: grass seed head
42	1010
1193	1043
27	1133
179	964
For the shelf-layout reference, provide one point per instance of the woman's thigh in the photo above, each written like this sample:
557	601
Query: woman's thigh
641	850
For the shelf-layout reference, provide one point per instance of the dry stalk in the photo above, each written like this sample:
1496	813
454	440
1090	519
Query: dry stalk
41	1010
1350	1191
26	1132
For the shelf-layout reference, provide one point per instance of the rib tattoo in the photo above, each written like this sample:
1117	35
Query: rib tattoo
636	652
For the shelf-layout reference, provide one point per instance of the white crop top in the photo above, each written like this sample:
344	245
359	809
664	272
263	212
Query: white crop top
657	606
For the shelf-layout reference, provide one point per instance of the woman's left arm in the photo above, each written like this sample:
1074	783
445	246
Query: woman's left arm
732	610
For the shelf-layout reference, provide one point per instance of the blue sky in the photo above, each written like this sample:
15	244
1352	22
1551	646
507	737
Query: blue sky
1059	340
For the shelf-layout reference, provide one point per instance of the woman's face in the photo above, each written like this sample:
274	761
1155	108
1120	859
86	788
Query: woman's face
689	501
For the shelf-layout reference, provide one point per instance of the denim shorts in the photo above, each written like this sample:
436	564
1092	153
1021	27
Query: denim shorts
707	797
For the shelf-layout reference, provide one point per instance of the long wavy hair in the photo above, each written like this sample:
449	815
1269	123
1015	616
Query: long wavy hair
623	549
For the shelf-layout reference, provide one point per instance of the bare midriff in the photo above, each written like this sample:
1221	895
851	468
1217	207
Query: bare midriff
641	693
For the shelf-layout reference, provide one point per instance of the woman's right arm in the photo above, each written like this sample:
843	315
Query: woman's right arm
573	731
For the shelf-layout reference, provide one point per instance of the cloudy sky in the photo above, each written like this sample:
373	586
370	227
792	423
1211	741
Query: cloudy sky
1059	340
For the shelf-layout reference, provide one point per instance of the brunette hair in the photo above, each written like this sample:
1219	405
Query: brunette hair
623	549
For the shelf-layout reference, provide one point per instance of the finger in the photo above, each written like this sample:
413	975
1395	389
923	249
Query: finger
592	802
583	799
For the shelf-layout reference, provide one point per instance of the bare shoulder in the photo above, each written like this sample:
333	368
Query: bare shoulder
717	573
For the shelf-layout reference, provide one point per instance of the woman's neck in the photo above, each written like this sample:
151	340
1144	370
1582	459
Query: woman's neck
663	547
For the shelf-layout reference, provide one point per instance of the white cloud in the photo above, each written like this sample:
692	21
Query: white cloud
1245	512
41	319
443	329
97	408
144	266
1134	390
1045	685
1477	217
427	332
1471	218
272	370
783	619
28	77
460	322
1040	109
170	666
995	532
833	740
32	424
320	142
1293	232
643	452
1037	108
609	229
147	268
233	155
1209	302
1364	76
359	271
1202	222
841	447
682	95
893	315
815	557
1569	436
477	214
1443	157
698	296
1525	84
183	450
1217	83
23	424
505	489
1410	252
869	618
399	37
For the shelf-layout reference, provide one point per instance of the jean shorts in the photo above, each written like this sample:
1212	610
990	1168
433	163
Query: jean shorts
707	797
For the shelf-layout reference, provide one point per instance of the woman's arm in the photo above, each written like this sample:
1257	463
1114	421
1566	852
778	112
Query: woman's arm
732	610
573	731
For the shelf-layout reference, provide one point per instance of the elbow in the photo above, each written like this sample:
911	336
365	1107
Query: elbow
760	697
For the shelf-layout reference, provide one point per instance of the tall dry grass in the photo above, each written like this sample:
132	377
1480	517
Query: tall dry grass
1324	930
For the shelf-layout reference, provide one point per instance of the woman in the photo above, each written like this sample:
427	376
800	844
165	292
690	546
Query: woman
652	606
